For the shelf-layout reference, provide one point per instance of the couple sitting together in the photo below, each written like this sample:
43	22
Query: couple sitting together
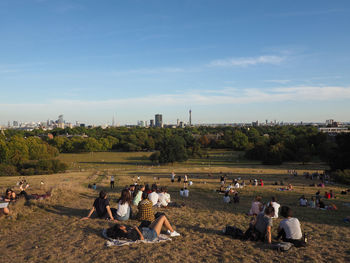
289	228
149	228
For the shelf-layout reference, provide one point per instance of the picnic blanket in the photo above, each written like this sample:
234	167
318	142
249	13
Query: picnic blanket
122	242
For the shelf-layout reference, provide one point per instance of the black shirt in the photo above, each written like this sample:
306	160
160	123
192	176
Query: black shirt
100	206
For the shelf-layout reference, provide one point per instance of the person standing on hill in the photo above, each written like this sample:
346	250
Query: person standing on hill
112	181
185	180
172	177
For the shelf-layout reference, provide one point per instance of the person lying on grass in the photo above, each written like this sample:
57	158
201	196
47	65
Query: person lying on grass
10	196
102	208
149	233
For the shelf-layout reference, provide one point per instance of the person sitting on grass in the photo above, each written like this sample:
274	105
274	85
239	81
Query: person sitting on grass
138	194
186	192
149	233
10	196
289	228
124	209
145	209
263	224
164	198
153	197
102	208
257	206
302	201
275	205
312	202
227	198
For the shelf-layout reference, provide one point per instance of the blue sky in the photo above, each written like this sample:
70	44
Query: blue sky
229	61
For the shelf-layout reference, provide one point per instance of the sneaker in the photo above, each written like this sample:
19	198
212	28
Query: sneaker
174	234
168	232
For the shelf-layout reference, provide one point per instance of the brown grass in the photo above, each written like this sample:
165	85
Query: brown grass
50	230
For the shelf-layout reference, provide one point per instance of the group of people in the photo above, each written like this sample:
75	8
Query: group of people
145	200
261	224
317	202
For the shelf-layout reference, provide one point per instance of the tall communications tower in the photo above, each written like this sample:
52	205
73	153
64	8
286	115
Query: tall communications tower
190	120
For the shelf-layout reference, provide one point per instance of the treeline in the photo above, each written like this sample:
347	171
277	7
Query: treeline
270	145
28	156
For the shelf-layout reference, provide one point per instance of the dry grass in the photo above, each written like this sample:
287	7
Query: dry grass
50	230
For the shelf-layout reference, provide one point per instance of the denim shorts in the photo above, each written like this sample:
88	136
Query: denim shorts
149	234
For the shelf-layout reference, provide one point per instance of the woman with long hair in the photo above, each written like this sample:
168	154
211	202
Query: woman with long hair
124	209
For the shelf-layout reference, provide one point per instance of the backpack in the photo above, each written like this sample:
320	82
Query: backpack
234	232
282	246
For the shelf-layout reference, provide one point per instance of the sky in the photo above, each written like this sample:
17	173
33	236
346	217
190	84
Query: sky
227	61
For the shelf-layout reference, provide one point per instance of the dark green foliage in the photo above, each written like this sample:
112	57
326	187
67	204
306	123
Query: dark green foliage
8	170
341	176
173	150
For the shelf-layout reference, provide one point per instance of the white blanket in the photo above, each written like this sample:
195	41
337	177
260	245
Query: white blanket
122	242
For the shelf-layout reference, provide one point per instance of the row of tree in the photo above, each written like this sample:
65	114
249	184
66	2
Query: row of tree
269	144
28	156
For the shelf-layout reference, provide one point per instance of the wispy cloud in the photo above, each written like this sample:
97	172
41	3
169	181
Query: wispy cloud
278	81
247	61
208	97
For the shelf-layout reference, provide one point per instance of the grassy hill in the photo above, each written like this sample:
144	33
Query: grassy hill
50	230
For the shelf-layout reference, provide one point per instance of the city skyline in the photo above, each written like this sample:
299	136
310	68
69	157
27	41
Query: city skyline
231	61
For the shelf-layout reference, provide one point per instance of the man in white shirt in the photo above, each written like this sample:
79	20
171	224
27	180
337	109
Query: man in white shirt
186	192
163	198
153	197
289	228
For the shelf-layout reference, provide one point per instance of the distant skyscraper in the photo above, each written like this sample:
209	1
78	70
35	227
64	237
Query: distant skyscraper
60	119
190	120
159	120
151	123
15	123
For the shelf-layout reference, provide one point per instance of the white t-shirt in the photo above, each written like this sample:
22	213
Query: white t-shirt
292	228
172	176
162	199
112	178
122	209
153	197
227	199
276	206
303	202
181	193
167	195
237	185
186	193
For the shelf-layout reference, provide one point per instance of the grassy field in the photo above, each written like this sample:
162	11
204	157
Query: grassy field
50	230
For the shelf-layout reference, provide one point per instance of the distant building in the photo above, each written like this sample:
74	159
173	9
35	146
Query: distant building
141	123
190	118
151	123
329	122
334	130
60	119
255	123
15	124
159	120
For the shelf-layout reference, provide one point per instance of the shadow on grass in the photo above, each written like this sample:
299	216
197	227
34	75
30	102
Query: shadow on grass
67	211
203	230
